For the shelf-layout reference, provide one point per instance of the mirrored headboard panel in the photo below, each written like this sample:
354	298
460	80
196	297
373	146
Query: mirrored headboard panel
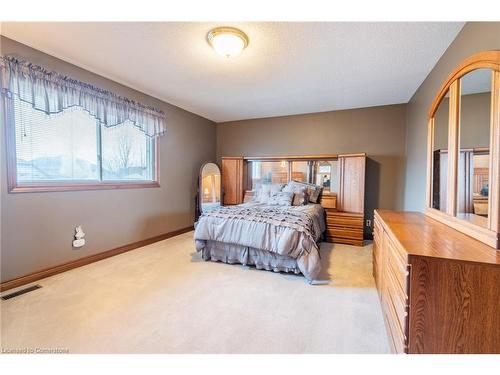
323	171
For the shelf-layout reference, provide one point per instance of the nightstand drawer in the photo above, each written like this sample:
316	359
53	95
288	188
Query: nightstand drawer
329	201
343	219
352	233
346	241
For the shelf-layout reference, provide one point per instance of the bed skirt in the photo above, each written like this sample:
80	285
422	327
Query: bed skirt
248	256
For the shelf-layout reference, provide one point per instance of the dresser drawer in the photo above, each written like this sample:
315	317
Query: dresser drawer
394	327
399	301
396	250
399	278
377	241
397	269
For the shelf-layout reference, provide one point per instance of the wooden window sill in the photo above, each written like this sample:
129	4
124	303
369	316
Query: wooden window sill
83	187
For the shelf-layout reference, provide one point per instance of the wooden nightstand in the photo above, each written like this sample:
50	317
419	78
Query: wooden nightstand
341	227
344	227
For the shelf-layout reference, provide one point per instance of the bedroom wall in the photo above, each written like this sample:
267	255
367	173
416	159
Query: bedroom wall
378	131
37	228
474	37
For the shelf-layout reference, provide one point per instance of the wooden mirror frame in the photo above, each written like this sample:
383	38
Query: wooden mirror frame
490	235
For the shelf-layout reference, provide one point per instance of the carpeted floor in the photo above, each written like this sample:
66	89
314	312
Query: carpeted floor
164	299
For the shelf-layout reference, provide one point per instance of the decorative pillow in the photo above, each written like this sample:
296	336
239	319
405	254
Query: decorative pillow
282	198
299	194
265	191
313	191
300	198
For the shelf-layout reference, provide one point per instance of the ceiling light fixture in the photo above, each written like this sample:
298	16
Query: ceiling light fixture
227	41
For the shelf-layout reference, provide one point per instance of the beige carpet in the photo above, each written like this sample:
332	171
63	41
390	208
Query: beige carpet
164	299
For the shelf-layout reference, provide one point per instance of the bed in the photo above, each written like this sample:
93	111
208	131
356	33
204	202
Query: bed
270	237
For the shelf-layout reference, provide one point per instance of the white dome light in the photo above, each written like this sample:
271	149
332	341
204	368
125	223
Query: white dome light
227	41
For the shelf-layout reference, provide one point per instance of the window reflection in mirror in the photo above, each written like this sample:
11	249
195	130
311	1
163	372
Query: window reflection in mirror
474	141
267	172
210	188
301	170
440	155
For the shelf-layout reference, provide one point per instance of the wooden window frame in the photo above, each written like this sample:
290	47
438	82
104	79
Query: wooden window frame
490	234
59	186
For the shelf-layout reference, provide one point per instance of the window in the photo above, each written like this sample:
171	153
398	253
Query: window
70	150
127	154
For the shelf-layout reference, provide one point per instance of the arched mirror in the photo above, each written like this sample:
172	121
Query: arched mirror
209	189
464	149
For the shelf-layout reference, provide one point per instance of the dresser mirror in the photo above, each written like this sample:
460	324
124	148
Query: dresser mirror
474	141
463	167
440	156
209	195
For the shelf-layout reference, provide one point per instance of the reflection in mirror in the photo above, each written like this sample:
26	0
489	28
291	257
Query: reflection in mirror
302	170
210	188
473	163
320	172
327	175
440	155
267	172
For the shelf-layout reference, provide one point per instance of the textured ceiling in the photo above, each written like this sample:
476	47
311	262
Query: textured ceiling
288	68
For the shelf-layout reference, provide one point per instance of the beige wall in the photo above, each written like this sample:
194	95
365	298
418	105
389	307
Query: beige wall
474	37
378	131
37	228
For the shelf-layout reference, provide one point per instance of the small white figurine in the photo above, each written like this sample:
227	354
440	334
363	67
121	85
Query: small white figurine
79	232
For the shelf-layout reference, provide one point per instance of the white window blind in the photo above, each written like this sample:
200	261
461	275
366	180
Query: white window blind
127	154
66	148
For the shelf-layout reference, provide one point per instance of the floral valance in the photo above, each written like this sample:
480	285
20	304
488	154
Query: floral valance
51	92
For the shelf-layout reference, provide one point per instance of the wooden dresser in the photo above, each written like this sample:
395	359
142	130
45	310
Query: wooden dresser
439	289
